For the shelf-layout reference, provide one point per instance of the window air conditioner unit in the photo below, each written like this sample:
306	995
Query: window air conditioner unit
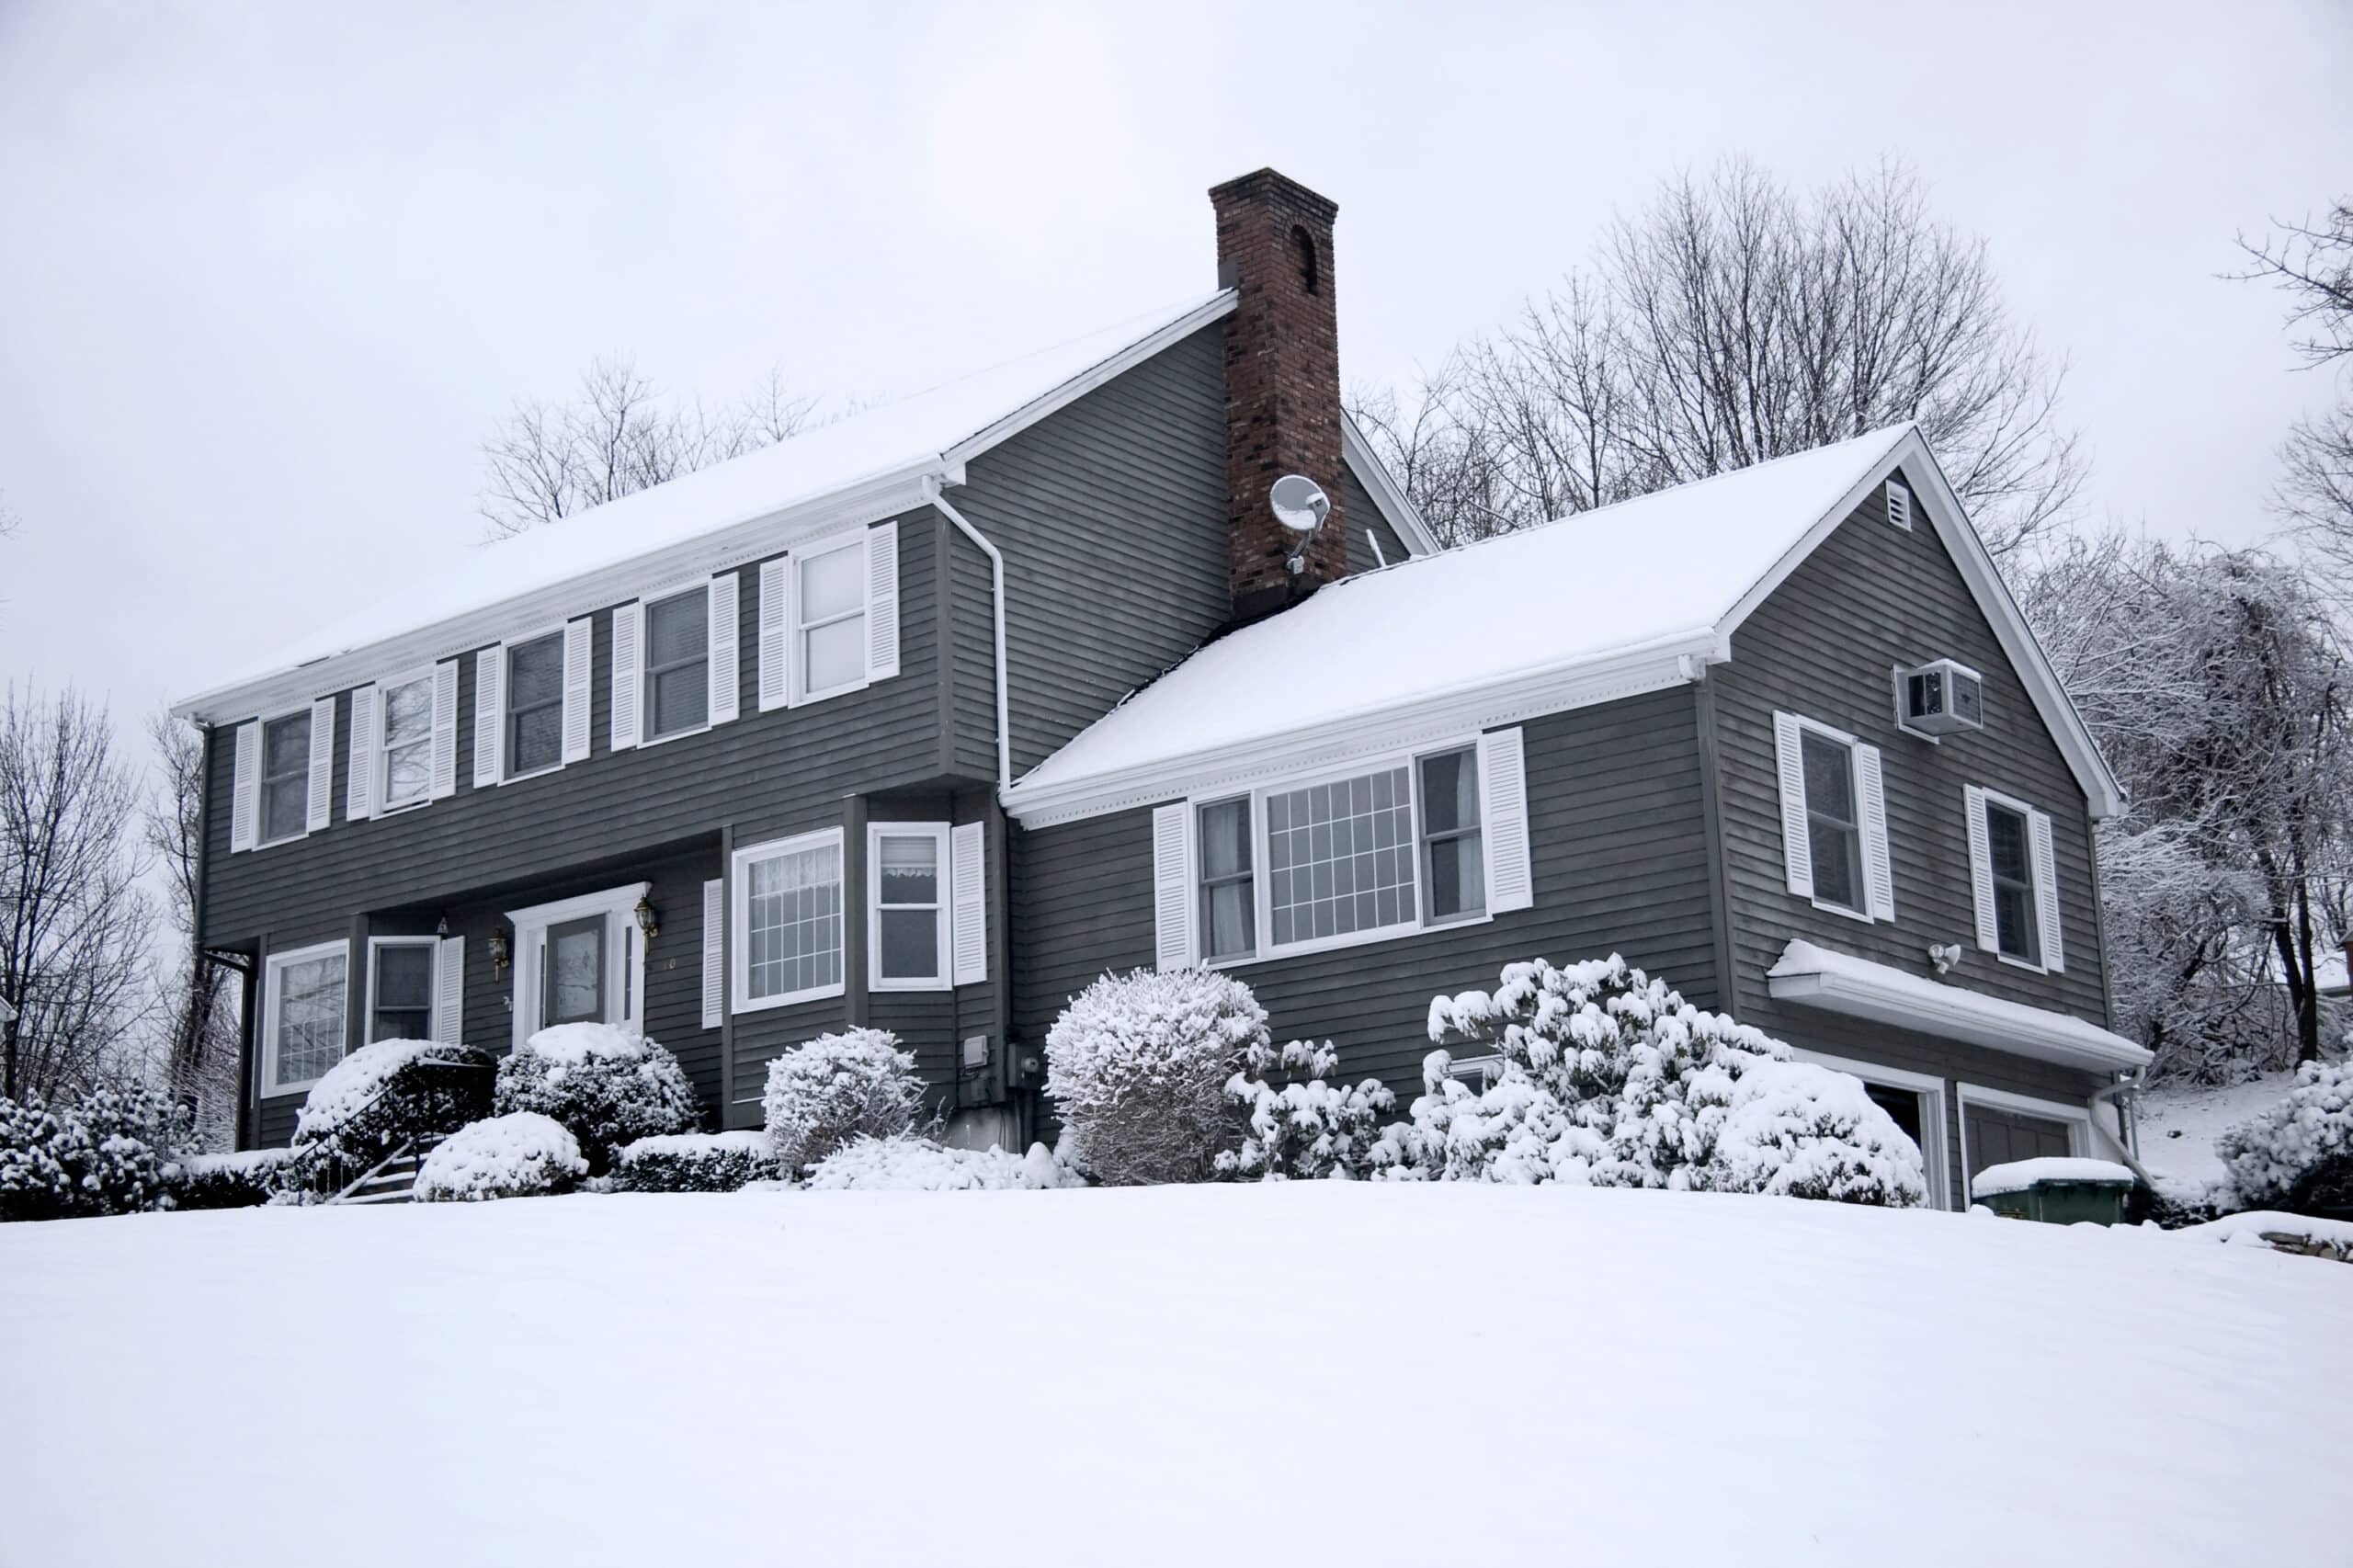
1939	699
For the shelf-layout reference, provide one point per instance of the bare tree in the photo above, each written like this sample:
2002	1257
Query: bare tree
74	925
2312	264
618	435
198	1016
1732	321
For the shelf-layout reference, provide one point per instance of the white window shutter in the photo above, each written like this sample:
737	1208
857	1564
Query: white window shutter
445	729
1980	870
1502	820
967	859
726	677
1172	886
449	990
579	638
881	601
490	707
1797	838
1879	870
322	781
629	672
359	781
245	790
776	640
2046	891
714	952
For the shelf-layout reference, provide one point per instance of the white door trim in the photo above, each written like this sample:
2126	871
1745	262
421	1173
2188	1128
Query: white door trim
2078	1117
624	980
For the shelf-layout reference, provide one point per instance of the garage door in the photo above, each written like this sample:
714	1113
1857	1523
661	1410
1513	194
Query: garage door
1998	1137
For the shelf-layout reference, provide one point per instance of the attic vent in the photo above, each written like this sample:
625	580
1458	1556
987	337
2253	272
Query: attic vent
1899	505
1939	699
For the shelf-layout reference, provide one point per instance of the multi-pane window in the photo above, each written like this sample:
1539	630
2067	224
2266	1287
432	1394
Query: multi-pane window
1833	823
1340	858
408	742
1229	913
285	777
535	704
678	663
1453	858
400	999
2006	844
829	619
909	912
790	919
306	1016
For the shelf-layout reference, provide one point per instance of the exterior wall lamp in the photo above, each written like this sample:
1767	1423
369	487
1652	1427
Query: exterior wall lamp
498	955
646	921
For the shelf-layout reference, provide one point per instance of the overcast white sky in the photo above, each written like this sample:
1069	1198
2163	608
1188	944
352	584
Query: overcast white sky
270	274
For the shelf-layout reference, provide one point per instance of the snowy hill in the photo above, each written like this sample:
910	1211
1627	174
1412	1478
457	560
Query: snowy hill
1303	1375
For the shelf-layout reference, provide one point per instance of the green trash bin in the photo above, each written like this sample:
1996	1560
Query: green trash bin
2055	1191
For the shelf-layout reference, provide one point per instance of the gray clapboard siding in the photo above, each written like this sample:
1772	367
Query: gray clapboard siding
1359	513
1617	846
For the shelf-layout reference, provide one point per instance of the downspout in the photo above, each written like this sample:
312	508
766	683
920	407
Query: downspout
931	493
2126	1085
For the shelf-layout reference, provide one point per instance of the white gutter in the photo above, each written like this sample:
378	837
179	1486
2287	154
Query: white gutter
996	605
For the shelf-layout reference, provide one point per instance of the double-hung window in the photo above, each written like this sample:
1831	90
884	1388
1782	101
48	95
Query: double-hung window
304	1023
407	749
285	777
400	988
535	704
2010	859
1834	826
829	619
787	913
1454	865
1834	819
909	925
2013	878
678	663
1229	912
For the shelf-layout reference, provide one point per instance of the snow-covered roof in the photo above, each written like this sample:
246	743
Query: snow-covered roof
1841	982
1602	604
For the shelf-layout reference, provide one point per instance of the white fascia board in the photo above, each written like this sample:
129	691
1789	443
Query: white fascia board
1401	727
1839	983
1374	475
1950	520
869	501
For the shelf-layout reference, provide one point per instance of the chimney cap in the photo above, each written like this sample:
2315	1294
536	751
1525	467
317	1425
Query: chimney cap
1269	184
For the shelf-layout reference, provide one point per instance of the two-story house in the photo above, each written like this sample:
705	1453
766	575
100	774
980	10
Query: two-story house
925	719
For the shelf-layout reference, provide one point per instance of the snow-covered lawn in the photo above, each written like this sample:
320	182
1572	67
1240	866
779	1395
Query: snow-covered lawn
1303	1374
2179	1124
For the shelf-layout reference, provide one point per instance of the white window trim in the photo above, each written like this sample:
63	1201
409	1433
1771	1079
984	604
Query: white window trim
507	774
739	921
272	967
1933	1154
433	1005
624	981
849	538
1261	881
1855	789
937	832
2078	1119
645	735
261	776
381	754
1489	1067
2034	905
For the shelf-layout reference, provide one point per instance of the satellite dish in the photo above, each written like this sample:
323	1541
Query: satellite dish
1300	503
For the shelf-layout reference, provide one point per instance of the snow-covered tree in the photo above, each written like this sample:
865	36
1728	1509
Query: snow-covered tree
2299	1154
1137	1066
836	1089
1305	1127
110	1150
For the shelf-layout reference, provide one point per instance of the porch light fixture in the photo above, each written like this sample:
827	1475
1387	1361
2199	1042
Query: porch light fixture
645	919
498	955
441	927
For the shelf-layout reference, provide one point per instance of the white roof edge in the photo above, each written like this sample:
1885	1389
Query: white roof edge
1840	983
1356	453
1950	519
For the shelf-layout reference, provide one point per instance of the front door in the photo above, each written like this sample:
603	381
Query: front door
575	973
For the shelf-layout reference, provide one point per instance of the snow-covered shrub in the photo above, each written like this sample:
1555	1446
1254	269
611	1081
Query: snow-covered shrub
696	1162
2298	1156
918	1165
227	1181
522	1154
393	1092
1608	1079
837	1088
609	1086
1308	1128
1137	1065
107	1153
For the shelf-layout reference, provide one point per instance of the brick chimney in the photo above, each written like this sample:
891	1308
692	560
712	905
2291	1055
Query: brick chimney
1282	381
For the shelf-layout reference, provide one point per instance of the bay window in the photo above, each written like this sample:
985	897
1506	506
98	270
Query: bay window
907	930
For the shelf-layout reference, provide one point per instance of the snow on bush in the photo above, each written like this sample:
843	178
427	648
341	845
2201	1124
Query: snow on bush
393	1092
608	1086
2299	1154
107	1152
696	1162
1608	1079
918	1165
227	1181
1137	1065
1308	1128
521	1155
836	1088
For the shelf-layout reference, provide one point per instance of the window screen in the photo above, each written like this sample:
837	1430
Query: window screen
1832	821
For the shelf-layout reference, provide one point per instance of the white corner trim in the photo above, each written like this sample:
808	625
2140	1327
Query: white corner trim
1359	458
1839	983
